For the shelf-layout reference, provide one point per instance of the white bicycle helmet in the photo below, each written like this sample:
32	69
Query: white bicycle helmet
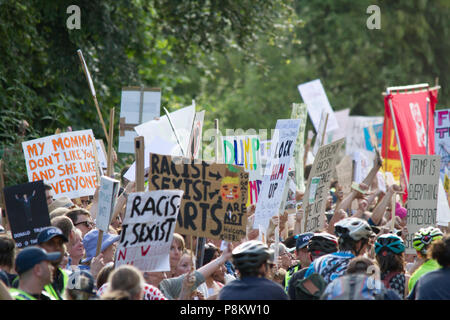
355	228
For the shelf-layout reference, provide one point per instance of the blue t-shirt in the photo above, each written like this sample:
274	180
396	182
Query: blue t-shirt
252	288
435	285
330	266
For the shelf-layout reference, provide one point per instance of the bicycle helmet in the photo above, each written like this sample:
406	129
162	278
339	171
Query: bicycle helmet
251	255
353	228
323	242
424	237
390	242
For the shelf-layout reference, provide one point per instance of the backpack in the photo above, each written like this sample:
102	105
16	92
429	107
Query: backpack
310	288
354	287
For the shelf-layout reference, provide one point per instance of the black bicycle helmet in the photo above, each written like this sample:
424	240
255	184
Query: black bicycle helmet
251	255
324	242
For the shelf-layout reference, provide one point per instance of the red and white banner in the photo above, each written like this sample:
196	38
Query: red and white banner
410	111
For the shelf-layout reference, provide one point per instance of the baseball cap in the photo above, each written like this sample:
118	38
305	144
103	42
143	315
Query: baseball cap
50	232
303	239
30	256
90	243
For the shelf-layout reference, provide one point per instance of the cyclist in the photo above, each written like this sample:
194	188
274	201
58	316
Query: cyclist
353	238
253	259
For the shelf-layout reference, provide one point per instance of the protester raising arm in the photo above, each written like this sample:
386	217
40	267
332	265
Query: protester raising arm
380	209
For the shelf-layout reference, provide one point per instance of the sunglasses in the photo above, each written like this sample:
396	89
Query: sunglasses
87	224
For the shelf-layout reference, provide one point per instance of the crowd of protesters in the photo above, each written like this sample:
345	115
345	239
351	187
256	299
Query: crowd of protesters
359	254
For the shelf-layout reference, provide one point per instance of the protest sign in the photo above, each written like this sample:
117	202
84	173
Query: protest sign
313	94
65	161
423	191
442	145
101	152
214	200
107	197
27	211
299	112
355	139
195	141
159	137
138	105
342	119
275	175
344	172
323	166
313	189
244	151
378	132
147	229
320	136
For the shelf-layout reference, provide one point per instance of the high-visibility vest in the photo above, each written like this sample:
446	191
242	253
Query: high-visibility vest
18	294
51	291
287	277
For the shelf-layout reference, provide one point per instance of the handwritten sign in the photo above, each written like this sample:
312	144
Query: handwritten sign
214	200
323	166
147	229
423	192
275	175
244	151
65	161
27	211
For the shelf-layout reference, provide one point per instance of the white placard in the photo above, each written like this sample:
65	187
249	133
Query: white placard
313	94
65	161
147	230
275	175
107	197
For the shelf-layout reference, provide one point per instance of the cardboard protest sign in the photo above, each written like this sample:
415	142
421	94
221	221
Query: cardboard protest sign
313	94
423	191
214	200
344	172
299	112
107	197
323	166
244	151
195	142
442	146
27	211
65	161
159	137
138	105
275	175
147	229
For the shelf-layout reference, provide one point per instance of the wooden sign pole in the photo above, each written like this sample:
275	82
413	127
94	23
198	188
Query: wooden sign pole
393	211
324	130
94	96
140	169
109	170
